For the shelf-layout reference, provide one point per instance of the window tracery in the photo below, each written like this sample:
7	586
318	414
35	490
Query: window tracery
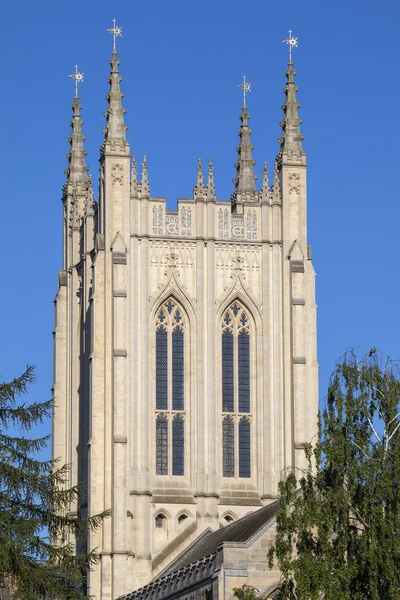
170	389
236	417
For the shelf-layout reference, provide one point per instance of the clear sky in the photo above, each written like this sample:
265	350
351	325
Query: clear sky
181	62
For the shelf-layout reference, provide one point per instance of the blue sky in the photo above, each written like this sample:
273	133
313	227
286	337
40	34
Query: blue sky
181	63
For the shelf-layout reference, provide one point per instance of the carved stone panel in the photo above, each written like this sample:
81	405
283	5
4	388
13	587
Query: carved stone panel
117	174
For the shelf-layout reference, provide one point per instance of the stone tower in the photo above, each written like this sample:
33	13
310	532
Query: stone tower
185	346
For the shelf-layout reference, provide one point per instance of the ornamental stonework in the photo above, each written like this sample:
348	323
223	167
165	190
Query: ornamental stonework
294	183
117	174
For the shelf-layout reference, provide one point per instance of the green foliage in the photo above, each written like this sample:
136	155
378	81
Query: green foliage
34	504
338	527
247	592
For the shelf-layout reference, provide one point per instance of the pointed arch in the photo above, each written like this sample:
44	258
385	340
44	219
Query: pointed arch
229	516
240	294
181	297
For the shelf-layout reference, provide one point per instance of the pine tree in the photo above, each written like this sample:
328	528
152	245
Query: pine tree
338	528
34	507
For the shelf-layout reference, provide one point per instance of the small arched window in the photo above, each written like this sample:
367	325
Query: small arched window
182	518
236	392
160	521
170	389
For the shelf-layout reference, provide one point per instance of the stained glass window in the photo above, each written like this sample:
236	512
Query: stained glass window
227	372
236	399
178	445
244	448
161	368
228	447
161	445
178	355
244	371
170	389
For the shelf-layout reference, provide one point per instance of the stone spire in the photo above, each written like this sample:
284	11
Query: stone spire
198	190
291	139
77	169
210	181
245	186
145	185
115	128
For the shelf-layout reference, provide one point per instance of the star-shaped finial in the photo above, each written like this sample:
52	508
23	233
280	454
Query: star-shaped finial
116	31
246	87
78	78
293	42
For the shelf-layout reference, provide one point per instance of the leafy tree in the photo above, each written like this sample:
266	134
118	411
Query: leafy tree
247	592
34	508
338	528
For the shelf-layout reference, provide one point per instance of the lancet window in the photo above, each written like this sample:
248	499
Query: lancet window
170	389
236	396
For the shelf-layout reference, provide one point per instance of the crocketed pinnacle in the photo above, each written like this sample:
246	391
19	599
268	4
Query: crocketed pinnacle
245	180
276	187
115	128
211	194
77	169
90	203
198	190
265	183
291	139
145	185
134	179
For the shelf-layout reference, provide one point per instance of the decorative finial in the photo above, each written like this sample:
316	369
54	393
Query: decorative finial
199	170
199	187
133	171
246	87
265	182
78	78
210	181
293	42
145	186
116	31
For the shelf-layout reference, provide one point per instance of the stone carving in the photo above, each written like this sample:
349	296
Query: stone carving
171	224
223	220
186	221
117	174
74	218
294	183
237	227
251	225
157	220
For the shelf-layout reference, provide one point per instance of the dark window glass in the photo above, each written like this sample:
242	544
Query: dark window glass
177	369
160	520
228	447
161	445
227	371
244	371
178	446
244	448
161	369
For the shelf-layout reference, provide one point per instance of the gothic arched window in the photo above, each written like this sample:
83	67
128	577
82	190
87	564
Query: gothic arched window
236	426
170	389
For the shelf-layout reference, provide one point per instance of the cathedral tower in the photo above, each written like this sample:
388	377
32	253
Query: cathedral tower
185	345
